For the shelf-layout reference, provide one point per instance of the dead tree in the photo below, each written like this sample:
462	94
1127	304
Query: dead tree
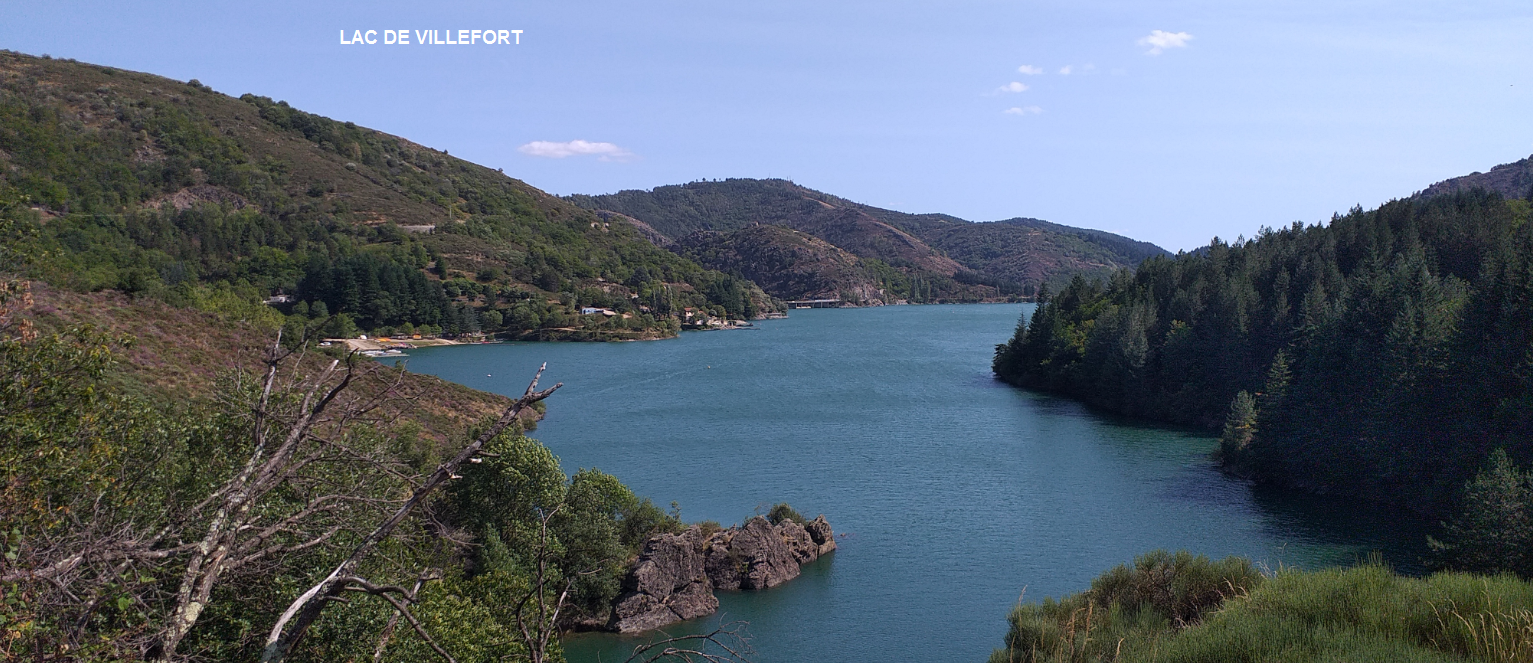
296	620
728	641
537	619
297	484
235	535
393	623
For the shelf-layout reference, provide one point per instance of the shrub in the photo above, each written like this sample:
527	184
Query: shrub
1179	587
783	512
1126	609
708	528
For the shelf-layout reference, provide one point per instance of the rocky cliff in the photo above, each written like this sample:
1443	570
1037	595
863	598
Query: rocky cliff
676	574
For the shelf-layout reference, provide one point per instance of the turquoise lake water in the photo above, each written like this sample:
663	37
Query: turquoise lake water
955	491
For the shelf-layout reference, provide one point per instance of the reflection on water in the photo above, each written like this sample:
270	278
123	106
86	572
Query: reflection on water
1352	528
955	491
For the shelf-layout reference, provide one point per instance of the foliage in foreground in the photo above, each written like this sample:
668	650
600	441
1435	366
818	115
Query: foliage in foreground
108	503
1181	608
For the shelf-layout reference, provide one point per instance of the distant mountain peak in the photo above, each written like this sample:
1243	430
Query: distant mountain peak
1013	255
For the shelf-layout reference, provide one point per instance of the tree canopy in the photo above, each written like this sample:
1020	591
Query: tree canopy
1384	355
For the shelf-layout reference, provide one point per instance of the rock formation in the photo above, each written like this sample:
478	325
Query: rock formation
675	574
666	585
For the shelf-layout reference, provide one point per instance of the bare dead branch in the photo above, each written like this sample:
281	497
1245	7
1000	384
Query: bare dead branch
536	636
284	550
355	584
304	610
388	629
730	638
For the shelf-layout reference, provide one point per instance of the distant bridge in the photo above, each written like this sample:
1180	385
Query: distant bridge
814	303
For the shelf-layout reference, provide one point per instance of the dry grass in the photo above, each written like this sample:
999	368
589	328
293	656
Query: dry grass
1493	634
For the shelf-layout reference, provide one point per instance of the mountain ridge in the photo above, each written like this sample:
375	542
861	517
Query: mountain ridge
1011	257
1511	180
140	183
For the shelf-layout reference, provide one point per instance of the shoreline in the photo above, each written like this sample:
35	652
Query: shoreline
391	343
577	335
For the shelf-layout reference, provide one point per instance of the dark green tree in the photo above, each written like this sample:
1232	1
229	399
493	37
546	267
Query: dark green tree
1493	532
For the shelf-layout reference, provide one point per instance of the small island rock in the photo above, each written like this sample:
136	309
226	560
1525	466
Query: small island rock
666	585
675	574
819	531
752	557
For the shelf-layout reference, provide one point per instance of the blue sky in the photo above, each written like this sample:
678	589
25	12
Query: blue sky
1248	114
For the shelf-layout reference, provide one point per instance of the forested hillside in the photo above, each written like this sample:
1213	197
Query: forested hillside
954	258
902	266
1385	355
796	265
128	181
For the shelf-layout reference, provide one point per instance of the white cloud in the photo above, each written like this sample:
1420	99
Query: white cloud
1012	87
1030	70
1160	40
1065	70
1023	110
574	148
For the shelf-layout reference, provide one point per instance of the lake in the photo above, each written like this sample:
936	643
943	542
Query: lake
955	492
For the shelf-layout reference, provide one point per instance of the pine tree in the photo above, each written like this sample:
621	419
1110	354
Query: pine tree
1493	532
1239	427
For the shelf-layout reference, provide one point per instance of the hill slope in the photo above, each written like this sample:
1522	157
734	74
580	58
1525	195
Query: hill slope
139	183
787	263
178	354
1511	180
1018	254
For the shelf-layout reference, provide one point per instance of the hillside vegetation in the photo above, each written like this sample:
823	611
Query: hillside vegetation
150	186
1385	355
795	265
161	504
177	354
950	258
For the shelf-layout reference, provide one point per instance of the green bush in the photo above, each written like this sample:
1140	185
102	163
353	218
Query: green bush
1130	605
1182	608
1179	587
782	512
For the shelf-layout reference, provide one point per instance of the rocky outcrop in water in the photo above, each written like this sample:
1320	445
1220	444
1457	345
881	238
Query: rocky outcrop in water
675	574
666	585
